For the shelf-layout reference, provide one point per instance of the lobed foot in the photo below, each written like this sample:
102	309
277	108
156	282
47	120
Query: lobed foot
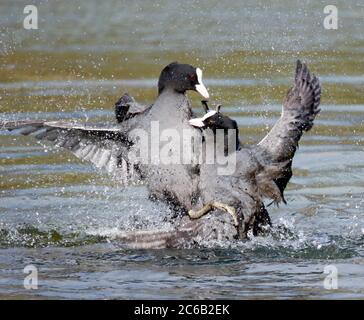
196	214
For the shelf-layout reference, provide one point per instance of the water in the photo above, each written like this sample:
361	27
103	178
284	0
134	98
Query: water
62	215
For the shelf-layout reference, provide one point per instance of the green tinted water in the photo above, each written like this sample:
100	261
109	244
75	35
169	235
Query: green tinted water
61	215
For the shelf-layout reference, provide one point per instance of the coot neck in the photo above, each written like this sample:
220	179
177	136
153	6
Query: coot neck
173	98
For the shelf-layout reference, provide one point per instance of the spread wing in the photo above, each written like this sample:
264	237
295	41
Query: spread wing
104	146
276	151
126	107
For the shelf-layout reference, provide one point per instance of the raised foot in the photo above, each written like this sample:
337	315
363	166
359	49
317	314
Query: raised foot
196	214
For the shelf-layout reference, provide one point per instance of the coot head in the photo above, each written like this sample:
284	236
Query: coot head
182	77
213	119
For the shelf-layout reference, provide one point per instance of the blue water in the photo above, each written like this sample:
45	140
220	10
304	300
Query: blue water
63	216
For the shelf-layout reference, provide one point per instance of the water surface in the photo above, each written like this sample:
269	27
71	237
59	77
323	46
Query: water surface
61	215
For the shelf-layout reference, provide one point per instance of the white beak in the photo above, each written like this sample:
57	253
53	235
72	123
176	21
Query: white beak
200	88
196	123
199	122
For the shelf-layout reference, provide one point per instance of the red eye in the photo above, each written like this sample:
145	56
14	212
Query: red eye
192	77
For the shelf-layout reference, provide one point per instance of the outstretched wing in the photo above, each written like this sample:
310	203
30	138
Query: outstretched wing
104	146
126	107
276	151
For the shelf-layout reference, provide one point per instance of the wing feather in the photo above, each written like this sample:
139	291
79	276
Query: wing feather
104	146
277	149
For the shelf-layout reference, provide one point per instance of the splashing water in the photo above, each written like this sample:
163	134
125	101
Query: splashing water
63	216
